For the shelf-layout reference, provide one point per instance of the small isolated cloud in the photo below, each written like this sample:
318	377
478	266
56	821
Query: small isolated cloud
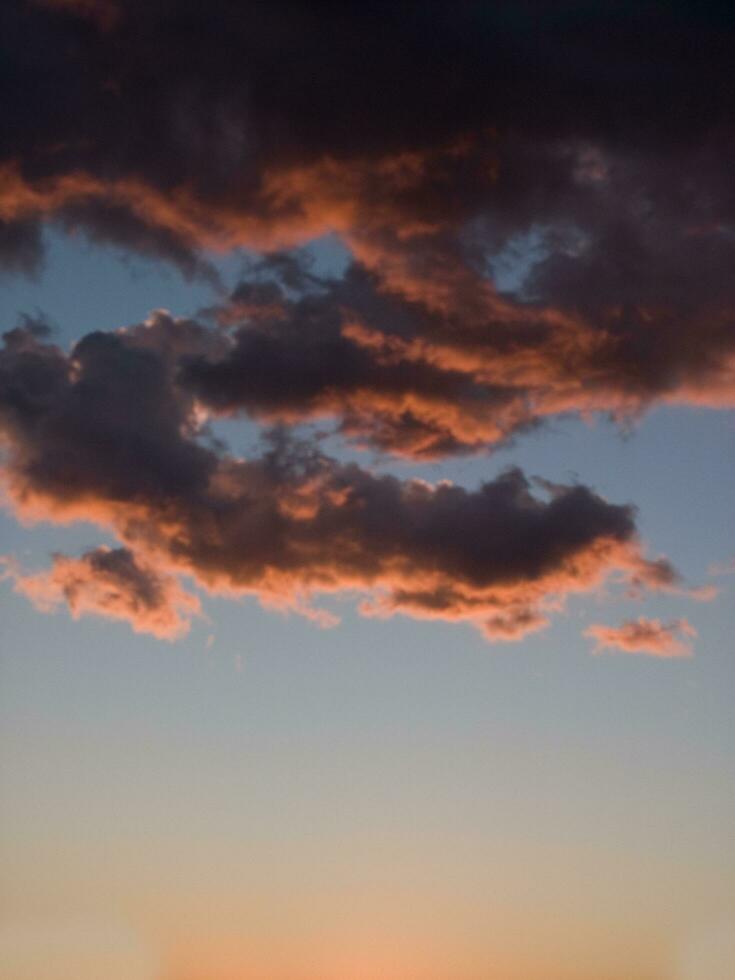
111	583
647	636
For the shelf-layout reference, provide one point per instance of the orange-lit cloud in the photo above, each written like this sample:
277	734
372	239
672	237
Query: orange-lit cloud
171	129
647	636
111	583
431	170
397	371
107	434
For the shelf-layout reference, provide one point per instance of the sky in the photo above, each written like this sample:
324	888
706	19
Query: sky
367	463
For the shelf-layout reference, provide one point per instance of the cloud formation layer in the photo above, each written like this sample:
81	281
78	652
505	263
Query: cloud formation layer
106	434
596	139
537	205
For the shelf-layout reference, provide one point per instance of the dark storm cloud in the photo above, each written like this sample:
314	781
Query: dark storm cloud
407	374
308	355
20	246
163	84
105	434
432	138
208	99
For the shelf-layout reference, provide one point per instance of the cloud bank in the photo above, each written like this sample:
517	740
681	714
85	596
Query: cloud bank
433	141
107	434
436	141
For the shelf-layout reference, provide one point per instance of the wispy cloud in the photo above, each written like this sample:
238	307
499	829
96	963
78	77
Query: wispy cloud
651	637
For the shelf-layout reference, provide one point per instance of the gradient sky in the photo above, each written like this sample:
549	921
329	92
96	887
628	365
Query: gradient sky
523	769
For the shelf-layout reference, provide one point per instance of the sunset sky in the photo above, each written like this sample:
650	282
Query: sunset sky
367	461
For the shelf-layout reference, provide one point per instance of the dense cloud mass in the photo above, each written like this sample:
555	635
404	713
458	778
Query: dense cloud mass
647	636
107	434
434	139
397	376
537	205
